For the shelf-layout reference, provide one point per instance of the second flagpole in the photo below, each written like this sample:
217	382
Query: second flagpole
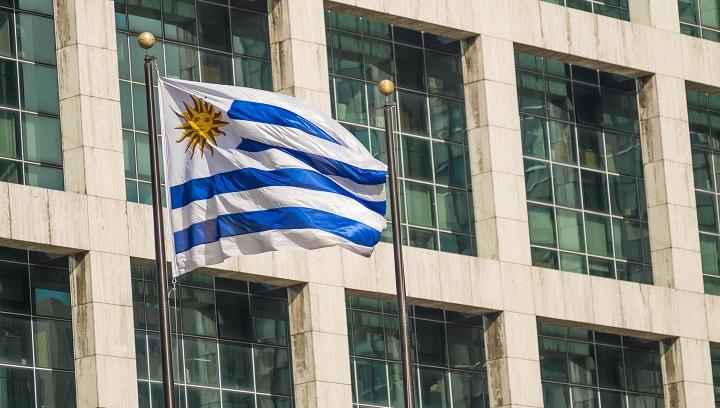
146	40
386	88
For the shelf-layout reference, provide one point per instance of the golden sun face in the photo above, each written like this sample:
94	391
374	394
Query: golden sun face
202	125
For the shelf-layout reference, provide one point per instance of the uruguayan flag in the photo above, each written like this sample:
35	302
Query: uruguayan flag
250	171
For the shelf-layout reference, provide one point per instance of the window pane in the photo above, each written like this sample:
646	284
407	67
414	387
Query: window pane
570	230
595	196
203	397
252	73
53	344
534	135
16	340
434	388
537	181
443	74
347	57
14	288
368	336
8	83
624	196
453	212
567	186
702	170
559	98
36	38
420	201
182	62
7	34
250	34
450	164
39	88
556	395
216	68
623	154
236	370
542	225
710	254
410	67
706	212
447	118
416	157
592	153
581	360
378	60
213	27
201	361
51	292
610	367
55	389
272	370
597	230
350	99
46	177
16	387
10	145
238	400
465	347
468	390
430	338
41	137
413	113
269	320
372	385
198	311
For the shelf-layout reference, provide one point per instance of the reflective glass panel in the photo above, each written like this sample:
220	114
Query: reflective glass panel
582	159
433	153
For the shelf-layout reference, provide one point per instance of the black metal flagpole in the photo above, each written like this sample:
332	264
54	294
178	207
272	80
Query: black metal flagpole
146	41
386	88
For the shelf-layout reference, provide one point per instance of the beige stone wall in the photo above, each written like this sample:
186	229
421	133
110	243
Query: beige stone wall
92	221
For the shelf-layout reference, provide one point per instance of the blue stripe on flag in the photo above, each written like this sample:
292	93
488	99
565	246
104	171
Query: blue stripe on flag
322	164
275	115
284	218
250	178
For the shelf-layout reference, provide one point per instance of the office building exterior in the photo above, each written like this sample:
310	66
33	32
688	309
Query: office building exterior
558	165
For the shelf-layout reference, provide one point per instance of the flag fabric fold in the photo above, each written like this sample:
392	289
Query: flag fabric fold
250	171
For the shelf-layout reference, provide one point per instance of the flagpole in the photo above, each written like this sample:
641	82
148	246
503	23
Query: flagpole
146	40
386	88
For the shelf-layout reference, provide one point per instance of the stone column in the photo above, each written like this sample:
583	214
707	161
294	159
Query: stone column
662	14
687	373
298	51
318	325
496	166
496	163
321	357
93	165
667	160
513	361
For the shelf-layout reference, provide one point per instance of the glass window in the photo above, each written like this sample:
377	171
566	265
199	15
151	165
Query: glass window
619	9
581	148
29	100
700	19
232	344
584	368
36	342
447	349
206	41
702	109
434	169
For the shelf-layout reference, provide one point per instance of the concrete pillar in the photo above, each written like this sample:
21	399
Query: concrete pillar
93	165
670	193
321	356
496	163
687	373
298	51
513	361
662	14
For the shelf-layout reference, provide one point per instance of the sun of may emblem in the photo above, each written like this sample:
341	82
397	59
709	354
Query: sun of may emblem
202	125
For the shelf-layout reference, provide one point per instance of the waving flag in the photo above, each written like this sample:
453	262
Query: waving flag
251	171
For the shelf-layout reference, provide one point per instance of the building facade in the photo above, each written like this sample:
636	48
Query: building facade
558	165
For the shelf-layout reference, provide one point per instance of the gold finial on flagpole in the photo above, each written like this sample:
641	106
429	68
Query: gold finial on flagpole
386	87
146	40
